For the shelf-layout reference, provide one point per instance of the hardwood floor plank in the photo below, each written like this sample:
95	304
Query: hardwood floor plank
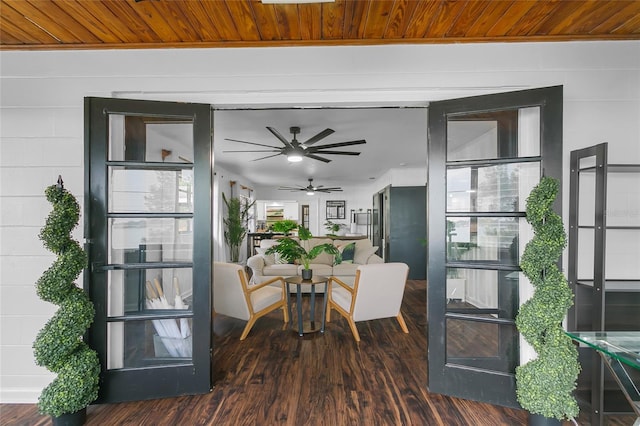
276	378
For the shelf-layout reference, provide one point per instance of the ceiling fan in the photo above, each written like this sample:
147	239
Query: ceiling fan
295	151
310	189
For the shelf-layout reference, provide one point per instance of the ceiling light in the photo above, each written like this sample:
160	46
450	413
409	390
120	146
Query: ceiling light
310	192
295	154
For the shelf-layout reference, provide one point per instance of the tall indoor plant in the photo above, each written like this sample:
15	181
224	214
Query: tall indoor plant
235	224
545	385
292	250
59	346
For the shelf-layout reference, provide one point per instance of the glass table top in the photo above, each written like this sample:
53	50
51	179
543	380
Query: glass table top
621	345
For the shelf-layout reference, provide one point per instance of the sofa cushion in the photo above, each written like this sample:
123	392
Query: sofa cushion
268	243
280	270
323	258
362	255
345	269
269	259
318	269
273	258
364	243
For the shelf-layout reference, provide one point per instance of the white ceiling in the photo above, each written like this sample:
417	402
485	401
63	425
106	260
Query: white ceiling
396	137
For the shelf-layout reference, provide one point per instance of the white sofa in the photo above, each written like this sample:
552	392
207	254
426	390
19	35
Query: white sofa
264	267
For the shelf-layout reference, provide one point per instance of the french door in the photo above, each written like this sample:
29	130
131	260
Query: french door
148	226
485	154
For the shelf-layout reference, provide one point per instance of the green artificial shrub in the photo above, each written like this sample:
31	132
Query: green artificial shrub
59	346
545	385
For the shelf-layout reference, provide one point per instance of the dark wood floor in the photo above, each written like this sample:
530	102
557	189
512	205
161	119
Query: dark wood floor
276	378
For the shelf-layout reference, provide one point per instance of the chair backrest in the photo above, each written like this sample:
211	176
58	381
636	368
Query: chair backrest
379	290
228	290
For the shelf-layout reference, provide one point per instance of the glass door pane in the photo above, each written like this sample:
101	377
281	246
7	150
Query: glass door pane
485	209
150	233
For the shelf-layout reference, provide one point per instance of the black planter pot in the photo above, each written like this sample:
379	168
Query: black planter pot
540	420
71	419
307	274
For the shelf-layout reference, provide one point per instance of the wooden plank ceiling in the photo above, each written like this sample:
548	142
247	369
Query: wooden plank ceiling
109	24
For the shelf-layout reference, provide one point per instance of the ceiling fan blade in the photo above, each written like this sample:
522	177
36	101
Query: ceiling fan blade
279	136
315	157
290	188
337	145
251	143
323	134
259	150
338	152
333	188
268	156
327	190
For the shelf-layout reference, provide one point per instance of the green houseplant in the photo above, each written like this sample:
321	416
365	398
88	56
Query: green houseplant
291	250
545	385
333	227
285	226
59	346
235	224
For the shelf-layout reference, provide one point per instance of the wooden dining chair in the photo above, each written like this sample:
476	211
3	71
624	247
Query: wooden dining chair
376	293
234	297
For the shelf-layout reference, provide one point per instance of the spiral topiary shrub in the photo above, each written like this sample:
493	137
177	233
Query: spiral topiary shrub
545	385
59	346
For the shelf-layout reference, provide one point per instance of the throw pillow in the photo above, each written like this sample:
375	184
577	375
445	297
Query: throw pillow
362	254
269	259
348	252
280	260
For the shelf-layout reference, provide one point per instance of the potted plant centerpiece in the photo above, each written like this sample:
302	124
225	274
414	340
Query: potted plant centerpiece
545	384
291	250
235	224
59	345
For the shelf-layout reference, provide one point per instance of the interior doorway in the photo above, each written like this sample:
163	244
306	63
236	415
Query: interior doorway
252	167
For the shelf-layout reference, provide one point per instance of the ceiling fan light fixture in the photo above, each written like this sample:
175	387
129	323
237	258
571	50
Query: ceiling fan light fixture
311	189
296	151
295	154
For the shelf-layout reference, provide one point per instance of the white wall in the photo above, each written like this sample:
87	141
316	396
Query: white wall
41	122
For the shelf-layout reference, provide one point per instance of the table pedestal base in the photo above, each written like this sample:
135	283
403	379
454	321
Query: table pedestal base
306	326
310	327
